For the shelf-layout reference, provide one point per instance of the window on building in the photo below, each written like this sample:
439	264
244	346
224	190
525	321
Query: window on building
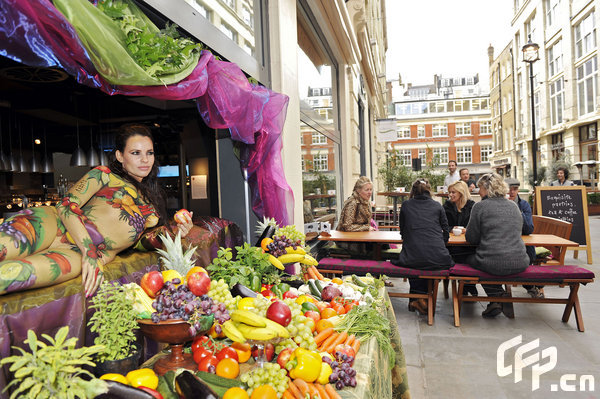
423	155
486	152
228	31
230	3
318	138
552	7
588	132
463	155
463	129
320	162
458	105
439	130
556	101
247	47
440	155
421	131
585	36
555	61
403	132
405	157
450	106
558	145
247	17
586	86
485	127
476	104
466	105
303	165
536	106
530	29
436	106
203	11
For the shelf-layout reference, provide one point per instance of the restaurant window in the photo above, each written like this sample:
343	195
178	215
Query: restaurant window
463	155
320	162
588	143
440	155
463	129
588	132
586	86
485	152
318	138
421	131
556	101
403	132
439	130
558	145
485	127
585	36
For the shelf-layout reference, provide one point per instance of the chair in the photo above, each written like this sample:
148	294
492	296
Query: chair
557	227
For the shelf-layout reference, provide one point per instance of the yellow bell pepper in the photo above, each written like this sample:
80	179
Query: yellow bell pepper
304	298
324	374
143	378
305	364
115	377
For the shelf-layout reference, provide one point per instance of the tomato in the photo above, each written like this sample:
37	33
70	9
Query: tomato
322	305
327	313
289	295
348	307
209	364
338	307
243	350
152	392
200	354
311	314
228	368
265	287
228	353
267	293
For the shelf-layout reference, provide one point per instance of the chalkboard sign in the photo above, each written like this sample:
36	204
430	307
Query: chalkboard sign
569	204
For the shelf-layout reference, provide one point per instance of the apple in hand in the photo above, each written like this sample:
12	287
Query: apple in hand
152	282
198	283
279	312
180	215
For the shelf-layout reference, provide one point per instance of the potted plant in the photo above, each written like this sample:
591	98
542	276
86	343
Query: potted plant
53	368
115	322
593	203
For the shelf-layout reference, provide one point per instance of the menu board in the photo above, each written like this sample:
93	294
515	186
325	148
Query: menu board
566	203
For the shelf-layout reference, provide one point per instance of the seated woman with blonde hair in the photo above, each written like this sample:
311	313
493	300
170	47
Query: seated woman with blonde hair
356	215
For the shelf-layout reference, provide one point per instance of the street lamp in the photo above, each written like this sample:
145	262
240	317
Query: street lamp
531	55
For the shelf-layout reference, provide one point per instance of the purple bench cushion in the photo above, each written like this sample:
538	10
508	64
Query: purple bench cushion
363	266
556	273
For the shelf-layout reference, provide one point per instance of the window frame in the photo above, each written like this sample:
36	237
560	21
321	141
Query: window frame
439	127
584	80
462	153
463	129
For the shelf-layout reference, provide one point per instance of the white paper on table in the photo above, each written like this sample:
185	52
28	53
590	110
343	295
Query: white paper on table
199	187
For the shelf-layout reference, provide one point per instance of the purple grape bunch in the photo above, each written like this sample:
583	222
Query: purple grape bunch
279	244
137	221
8	229
343	375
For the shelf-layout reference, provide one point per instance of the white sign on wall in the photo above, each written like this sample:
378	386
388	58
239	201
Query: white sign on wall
386	130
199	187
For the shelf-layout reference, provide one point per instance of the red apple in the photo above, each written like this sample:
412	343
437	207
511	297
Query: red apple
269	352
152	282
284	357
280	313
198	283
180	215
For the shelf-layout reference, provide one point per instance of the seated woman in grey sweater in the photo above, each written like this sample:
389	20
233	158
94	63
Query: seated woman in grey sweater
495	227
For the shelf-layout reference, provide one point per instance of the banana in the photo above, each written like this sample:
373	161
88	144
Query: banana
290	258
248	317
309	260
257	333
298	250
232	332
275	262
278	328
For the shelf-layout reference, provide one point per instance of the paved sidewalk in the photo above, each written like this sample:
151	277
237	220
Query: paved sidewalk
448	362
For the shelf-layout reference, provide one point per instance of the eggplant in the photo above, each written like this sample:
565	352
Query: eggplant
189	386
269	231
243	291
117	390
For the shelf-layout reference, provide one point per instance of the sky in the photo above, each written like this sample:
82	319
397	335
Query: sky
444	37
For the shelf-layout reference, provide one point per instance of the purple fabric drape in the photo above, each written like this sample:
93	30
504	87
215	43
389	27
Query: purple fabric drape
35	33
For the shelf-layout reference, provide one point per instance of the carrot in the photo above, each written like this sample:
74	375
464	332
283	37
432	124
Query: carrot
350	339
341	338
288	395
329	340
323	335
311	273
322	391
294	390
318	273
332	393
302	386
356	346
305	277
312	390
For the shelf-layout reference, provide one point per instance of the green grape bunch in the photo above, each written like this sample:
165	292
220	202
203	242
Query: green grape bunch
270	374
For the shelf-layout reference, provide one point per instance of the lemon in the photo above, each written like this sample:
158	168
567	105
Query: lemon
115	377
246	303
171	274
10	270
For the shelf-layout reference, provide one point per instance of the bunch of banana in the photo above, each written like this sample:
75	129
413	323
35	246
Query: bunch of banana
255	327
302	258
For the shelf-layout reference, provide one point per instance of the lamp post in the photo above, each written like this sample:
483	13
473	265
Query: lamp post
531	55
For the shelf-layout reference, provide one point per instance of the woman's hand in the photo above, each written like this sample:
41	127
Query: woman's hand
185	224
91	275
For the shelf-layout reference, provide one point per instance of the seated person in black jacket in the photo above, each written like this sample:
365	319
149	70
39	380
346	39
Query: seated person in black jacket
425	232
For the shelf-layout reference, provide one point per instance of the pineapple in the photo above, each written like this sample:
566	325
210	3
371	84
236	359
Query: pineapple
261	226
173	256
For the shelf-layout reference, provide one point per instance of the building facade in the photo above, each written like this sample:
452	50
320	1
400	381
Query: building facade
565	87
448	120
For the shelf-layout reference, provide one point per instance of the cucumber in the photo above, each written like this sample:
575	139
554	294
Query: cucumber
313	289
356	280
164	389
319	285
214	379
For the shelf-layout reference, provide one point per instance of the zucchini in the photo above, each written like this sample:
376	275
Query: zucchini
319	285
189	386
356	280
164	389
214	379
313	289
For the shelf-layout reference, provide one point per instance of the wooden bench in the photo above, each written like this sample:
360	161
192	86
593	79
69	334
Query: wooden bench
361	267
559	275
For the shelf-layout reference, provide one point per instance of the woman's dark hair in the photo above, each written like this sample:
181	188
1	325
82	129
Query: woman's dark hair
565	171
148	187
420	187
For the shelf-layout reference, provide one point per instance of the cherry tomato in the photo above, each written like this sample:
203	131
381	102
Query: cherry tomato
267	293
228	352
200	354
289	295
203	341
338	307
348	307
209	364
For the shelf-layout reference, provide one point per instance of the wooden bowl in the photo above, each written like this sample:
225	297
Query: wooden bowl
169	331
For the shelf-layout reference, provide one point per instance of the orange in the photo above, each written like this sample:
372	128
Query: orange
228	368
323	324
195	269
327	313
337	280
235	393
264	392
266	241
243	350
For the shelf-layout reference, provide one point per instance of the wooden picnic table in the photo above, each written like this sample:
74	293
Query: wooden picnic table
393	237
